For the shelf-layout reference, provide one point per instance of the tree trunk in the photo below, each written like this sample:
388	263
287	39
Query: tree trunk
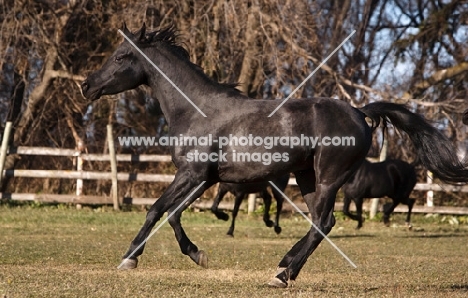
248	63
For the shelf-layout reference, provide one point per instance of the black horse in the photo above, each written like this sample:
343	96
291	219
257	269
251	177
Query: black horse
320	168
393	178
241	190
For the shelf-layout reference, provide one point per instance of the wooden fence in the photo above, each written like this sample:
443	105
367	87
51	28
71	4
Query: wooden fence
79	174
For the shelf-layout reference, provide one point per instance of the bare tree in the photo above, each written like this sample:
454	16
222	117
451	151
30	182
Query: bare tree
410	52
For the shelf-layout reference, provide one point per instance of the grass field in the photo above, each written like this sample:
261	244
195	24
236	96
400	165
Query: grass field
58	251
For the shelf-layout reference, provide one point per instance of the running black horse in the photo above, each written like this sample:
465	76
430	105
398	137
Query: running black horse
241	190
393	178
260	147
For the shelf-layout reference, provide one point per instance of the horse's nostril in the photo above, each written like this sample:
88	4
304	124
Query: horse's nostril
84	85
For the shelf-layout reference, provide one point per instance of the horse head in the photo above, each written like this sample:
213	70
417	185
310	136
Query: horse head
122	71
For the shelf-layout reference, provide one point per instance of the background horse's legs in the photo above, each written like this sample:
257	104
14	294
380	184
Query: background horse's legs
388	210
410	202
358	217
222	191
266	210
359	201
177	191
279	207
237	202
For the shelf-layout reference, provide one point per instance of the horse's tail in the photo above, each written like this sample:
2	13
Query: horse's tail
435	150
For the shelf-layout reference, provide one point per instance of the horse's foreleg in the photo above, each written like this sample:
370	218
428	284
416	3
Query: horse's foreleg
186	246
176	193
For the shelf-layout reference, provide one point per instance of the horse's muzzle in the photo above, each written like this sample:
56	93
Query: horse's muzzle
88	92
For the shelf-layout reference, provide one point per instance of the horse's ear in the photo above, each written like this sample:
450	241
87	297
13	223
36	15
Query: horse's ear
125	30
142	33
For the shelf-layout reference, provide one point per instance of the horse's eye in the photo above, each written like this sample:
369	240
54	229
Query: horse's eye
118	59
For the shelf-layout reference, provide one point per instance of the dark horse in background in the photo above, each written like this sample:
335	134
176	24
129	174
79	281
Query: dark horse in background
241	190
320	171
393	178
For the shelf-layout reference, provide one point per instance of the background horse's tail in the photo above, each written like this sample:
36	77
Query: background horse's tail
435	150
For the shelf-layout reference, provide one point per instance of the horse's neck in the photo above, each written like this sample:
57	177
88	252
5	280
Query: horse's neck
199	94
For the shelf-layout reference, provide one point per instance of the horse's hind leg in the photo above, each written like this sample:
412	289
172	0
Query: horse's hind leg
303	179
222	191
321	206
320	199
266	211
237	202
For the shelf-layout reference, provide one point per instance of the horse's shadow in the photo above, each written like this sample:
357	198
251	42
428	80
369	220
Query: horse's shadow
357	235
435	235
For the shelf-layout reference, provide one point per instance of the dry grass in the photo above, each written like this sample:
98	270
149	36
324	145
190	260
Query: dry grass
61	252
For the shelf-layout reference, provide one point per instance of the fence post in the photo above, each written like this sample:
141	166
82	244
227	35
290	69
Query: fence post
430	193
251	203
4	148
79	168
374	208
113	161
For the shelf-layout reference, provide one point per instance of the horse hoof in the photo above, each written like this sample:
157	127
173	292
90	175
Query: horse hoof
279	270
202	259
128	264
409	225
386	222
278	230
269	223
223	216
275	282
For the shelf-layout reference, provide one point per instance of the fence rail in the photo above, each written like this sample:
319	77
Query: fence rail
80	175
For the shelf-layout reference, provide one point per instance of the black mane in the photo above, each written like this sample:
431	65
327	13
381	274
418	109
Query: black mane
168	36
